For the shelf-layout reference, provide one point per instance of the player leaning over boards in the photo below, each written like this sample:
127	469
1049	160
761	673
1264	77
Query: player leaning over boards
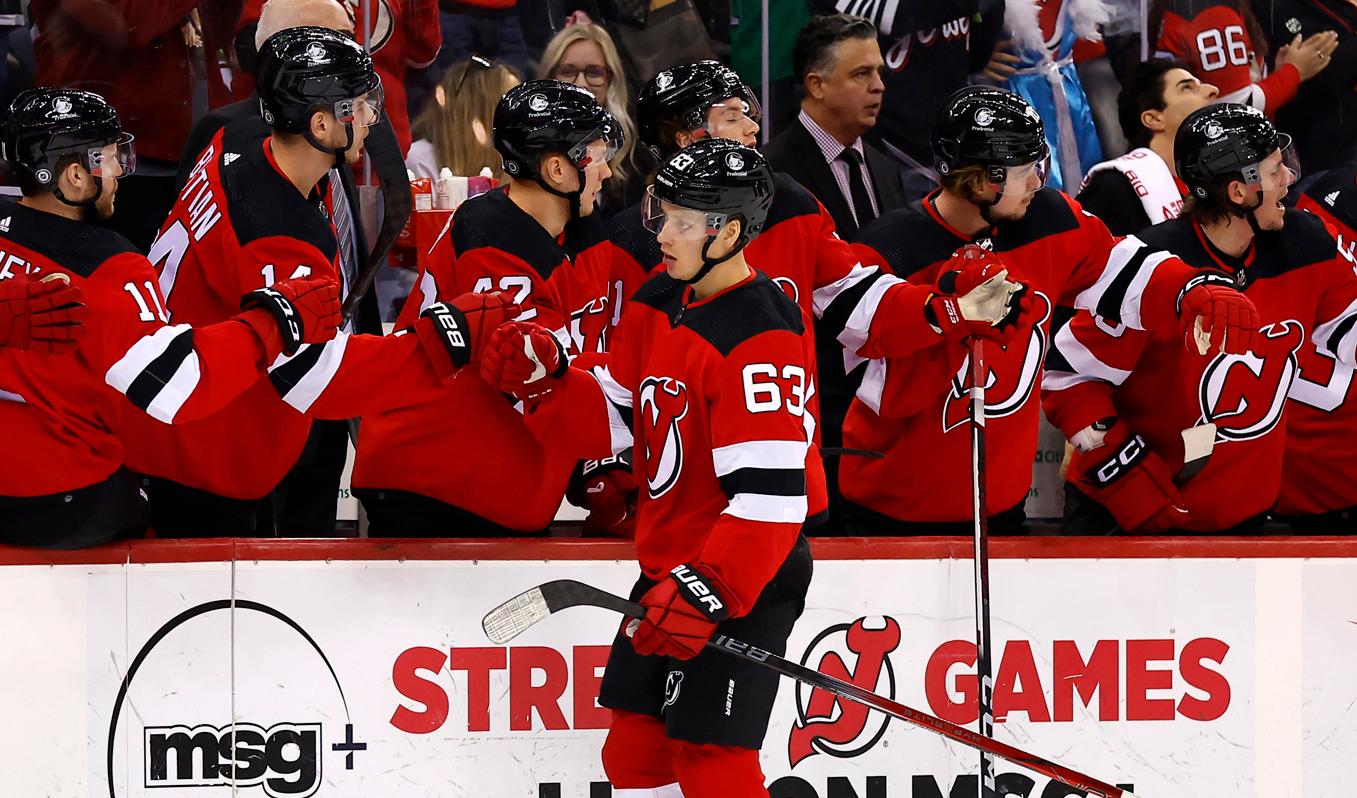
1124	397
63	484
712	361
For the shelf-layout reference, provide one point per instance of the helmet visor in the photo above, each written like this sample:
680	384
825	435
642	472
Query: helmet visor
1026	180
1280	169
600	147
115	159
679	223
364	110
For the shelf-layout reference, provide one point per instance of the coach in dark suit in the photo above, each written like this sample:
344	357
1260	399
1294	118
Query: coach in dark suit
838	61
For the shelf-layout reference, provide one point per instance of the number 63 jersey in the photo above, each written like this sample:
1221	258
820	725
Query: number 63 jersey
719	395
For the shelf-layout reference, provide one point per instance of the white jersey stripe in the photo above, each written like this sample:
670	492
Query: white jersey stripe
759	454
317	378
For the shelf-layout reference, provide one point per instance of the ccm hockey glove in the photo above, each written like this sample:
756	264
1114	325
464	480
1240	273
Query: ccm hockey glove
1216	316
304	311
1133	483
974	297
41	315
682	613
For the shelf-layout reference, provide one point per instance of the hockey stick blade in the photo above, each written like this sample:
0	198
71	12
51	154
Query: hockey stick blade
511	618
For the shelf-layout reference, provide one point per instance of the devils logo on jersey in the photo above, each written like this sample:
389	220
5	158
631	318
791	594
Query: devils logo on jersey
663	404
1244	395
589	326
1009	387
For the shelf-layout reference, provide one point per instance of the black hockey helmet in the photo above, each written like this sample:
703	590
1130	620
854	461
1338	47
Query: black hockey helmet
683	95
989	127
721	179
306	69
1229	141
44	125
543	117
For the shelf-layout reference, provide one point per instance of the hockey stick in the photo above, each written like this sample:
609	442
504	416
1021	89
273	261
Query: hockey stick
980	513
516	615
382	148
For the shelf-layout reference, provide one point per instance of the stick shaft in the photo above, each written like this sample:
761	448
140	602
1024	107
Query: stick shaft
980	516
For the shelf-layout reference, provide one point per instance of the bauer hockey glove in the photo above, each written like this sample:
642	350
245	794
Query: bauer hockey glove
682	613
523	359
463	327
607	489
43	316
1216	316
1133	483
303	311
974	297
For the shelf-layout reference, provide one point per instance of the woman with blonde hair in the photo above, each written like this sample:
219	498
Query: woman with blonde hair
584	54
454	131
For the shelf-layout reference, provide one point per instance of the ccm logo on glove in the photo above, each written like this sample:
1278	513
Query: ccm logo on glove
1131	453
700	594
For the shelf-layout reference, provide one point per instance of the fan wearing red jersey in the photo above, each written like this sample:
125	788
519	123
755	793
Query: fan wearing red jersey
1168	441
712	362
1213	38
253	213
538	240
64	484
990	150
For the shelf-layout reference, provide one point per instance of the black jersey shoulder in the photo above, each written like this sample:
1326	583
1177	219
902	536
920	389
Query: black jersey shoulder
584	233
627	233
1110	196
493	221
1304	240
1048	215
790	200
1336	192
261	202
757	307
909	239
77	247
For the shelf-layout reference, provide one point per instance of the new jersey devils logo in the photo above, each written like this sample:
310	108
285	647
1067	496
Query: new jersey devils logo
589	326
1010	377
844	733
664	403
1244	395
381	22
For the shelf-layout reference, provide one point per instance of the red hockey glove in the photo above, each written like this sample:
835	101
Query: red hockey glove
43	316
682	613
1216	316
523	359
304	311
974	297
463	327
607	489
1133	483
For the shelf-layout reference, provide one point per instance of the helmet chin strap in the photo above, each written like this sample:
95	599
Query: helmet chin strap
573	197
711	263
337	153
87	205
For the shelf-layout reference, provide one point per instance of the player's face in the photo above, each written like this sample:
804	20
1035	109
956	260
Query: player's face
733	119
1017	190
682	233
1277	174
596	170
1183	94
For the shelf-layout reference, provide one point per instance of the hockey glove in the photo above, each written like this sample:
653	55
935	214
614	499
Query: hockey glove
682	613
43	316
523	359
974	297
607	489
464	326
1133	483
1216	316
304	311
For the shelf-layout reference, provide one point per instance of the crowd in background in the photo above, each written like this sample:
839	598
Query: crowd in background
848	101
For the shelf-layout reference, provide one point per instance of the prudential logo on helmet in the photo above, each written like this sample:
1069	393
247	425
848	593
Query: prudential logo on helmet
734	162
1214	130
984	117
316	54
538	103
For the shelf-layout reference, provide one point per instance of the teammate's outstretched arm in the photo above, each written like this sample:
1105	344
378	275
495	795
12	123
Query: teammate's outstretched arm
44	315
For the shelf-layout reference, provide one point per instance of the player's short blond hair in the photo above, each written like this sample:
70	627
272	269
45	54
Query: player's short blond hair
279	15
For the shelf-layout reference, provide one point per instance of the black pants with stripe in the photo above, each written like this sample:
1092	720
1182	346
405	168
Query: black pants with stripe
76	519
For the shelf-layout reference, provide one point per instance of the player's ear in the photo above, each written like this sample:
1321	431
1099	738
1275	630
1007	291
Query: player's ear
320	124
73	179
1152	120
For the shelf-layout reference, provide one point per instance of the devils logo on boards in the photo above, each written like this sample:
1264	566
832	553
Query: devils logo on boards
1007	386
663	403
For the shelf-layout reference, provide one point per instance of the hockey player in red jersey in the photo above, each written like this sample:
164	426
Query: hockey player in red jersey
1175	441
712	363
860	312
990	150
63	483
537	240
253	213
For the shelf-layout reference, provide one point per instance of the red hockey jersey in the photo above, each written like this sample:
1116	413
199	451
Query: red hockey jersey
716	395
915	410
58	413
239	224
1211	38
492	245
1319	472
1304	291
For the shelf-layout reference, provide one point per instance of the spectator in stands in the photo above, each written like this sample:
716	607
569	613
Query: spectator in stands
1142	188
454	130
489	28
584	54
404	36
138	56
839	64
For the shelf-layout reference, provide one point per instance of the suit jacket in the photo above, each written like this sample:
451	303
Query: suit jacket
795	152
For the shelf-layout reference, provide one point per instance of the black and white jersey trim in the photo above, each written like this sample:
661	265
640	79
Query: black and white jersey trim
303	377
159	372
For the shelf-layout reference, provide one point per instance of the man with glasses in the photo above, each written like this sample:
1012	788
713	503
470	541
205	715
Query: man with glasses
1171	441
991	152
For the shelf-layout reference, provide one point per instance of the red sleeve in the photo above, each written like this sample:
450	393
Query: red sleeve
265	261
759	440
1279	88
423	34
175	373
142	21
1335	325
869	311
1088	359
900	387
